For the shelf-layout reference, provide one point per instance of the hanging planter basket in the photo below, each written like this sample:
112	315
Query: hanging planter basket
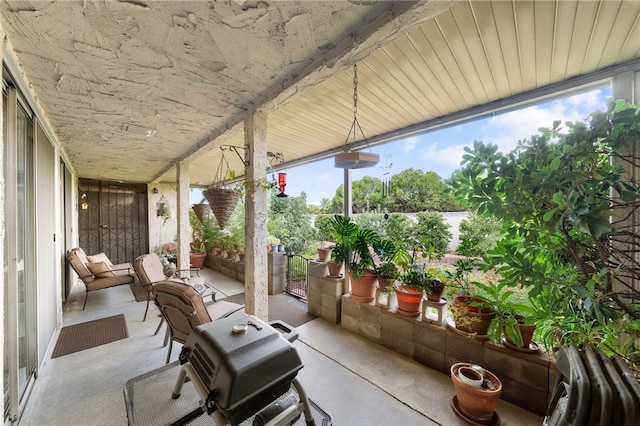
201	210
223	202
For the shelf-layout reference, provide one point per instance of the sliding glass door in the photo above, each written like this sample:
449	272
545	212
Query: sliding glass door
20	354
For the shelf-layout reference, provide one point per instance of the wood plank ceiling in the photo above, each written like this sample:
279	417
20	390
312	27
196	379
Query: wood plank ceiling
422	64
473	54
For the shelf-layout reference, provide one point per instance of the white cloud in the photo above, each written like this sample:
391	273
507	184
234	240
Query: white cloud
505	130
409	144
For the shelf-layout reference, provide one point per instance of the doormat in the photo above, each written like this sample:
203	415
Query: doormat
279	309
78	337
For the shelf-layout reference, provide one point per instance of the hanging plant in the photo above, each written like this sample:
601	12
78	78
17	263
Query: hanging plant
223	197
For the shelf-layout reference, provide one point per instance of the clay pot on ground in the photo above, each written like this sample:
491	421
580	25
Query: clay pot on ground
363	288
477	405
409	301
335	269
469	318
197	260
323	254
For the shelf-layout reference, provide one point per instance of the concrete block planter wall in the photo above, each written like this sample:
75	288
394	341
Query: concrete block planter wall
235	269
527	379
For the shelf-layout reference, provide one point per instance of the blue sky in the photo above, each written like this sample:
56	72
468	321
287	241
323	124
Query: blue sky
441	151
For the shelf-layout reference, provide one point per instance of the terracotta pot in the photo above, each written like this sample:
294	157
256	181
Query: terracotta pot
230	254
435	293
385	283
478	404
363	289
526	331
323	254
409	301
335	269
197	260
241	257
469	319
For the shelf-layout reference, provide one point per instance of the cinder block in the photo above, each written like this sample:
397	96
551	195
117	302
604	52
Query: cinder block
314	284
396	343
429	357
523	396
333	286
317	269
349	307
430	336
398	325
369	331
314	308
370	314
350	323
505	362
465	349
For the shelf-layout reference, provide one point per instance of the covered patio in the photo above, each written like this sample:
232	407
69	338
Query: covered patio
354	380
146	93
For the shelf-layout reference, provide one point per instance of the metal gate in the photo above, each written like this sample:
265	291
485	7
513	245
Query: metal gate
297	273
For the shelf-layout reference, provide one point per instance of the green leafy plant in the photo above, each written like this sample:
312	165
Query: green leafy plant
323	229
509	313
566	202
204	233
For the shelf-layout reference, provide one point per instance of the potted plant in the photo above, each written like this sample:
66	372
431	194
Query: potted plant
477	393
198	244
513	321
409	290
336	262
470	312
323	233
356	246
391	256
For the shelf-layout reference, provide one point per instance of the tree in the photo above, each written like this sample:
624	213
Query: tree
413	190
367	194
432	234
290	223
565	201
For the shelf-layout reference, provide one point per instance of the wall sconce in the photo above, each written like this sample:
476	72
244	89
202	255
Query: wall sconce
84	205
155	190
282	182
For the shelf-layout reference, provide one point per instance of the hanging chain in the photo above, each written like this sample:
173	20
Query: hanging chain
355	92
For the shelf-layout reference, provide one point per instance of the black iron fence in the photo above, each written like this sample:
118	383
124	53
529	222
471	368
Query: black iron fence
297	273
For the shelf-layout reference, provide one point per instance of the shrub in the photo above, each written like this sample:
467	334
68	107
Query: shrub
432	233
478	234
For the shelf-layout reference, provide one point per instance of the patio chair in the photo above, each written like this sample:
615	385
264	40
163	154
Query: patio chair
183	309
98	272
150	271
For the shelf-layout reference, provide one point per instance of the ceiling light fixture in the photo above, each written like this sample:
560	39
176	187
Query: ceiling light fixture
137	130
355	159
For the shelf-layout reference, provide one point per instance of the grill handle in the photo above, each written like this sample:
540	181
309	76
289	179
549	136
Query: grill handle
288	332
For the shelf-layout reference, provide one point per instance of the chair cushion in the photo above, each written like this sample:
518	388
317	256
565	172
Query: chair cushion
100	257
100	269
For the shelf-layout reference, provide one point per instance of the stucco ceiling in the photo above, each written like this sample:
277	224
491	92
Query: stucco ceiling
190	71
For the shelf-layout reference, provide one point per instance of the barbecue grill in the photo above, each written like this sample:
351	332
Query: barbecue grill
242	366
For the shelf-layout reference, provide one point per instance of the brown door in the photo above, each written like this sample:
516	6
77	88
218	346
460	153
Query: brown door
112	218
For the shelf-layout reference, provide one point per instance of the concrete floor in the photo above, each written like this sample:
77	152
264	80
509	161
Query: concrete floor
356	381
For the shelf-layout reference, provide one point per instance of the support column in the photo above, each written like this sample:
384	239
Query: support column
255	260
182	207
348	197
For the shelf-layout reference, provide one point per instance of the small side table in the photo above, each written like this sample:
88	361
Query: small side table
428	316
